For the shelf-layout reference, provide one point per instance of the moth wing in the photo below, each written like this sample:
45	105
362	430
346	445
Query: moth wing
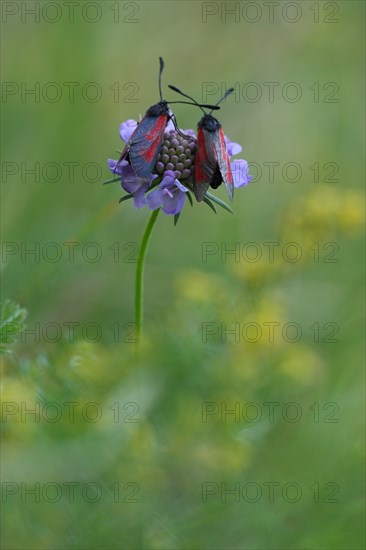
144	145
224	162
205	163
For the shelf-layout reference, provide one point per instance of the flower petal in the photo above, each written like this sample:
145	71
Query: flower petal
232	147
112	165
126	129
139	199
155	199
116	167
168	179
180	186
130	182
240	169
175	204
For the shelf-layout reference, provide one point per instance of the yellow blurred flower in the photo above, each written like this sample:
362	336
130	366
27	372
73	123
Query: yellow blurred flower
21	411
201	287
322	212
352	213
302	364
260	272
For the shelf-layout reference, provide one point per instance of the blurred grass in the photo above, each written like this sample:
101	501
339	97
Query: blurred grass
169	453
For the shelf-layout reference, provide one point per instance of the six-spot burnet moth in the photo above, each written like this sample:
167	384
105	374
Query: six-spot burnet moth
212	165
143	147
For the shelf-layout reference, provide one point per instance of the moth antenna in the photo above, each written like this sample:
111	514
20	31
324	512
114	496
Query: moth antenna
195	104
175	89
228	92
161	68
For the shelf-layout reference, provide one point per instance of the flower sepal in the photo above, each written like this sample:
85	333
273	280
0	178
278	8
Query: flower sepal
218	201
209	198
209	203
126	197
112	180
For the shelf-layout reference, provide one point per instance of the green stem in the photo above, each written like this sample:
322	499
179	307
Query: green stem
139	288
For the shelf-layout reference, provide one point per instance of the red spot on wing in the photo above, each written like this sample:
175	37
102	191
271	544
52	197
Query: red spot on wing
157	128
200	158
154	135
150	152
201	145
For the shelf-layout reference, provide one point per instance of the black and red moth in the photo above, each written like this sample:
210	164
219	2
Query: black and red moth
212	165
143	147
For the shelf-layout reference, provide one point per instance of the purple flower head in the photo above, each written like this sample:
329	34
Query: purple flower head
177	154
170	195
175	163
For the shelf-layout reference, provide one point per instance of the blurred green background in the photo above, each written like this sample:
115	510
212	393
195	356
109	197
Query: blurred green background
166	458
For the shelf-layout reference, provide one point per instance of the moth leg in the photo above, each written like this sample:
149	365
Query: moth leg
174	120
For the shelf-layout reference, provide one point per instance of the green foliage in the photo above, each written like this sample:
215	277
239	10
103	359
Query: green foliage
12	318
